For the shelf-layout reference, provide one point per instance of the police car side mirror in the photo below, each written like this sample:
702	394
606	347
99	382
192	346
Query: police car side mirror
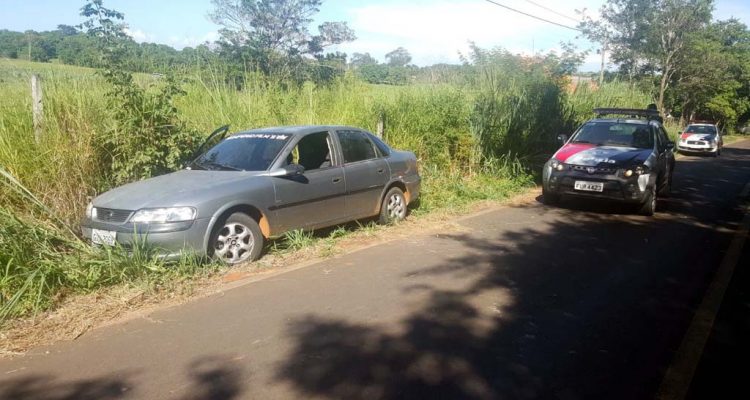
562	138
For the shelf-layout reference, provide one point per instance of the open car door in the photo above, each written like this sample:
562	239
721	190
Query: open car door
213	139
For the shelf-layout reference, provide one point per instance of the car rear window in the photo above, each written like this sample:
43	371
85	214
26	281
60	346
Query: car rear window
706	129
615	133
356	146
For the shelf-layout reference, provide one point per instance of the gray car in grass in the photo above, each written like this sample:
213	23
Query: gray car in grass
256	185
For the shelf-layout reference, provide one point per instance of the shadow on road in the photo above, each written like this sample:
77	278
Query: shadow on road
45	387
210	378
597	304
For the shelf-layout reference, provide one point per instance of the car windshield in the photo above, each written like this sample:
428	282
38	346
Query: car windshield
705	129
243	152
613	133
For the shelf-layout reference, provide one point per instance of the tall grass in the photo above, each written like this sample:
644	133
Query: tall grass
473	140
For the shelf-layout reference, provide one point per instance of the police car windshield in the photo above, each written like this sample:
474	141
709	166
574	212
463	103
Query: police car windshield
705	129
614	133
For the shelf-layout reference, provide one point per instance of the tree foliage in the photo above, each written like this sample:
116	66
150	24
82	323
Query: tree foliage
399	57
273	35
148	137
696	68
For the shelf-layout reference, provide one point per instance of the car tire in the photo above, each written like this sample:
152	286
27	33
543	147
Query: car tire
236	239
550	199
393	206
648	207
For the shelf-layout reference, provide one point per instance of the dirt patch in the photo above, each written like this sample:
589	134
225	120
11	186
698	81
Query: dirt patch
78	314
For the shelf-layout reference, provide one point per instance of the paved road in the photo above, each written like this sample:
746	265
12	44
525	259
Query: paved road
576	302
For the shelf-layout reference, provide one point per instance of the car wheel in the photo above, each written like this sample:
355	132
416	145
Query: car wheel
649	206
393	207
550	199
238	239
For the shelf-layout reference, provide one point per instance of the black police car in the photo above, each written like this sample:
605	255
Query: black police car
623	155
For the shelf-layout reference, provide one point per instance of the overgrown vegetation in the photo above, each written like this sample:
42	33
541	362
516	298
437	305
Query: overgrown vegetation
696	68
477	129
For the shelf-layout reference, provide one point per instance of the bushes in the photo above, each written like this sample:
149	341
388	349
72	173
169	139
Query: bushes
148	137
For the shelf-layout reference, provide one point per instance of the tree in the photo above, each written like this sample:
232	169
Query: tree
360	59
147	137
672	23
712	80
398	58
649	34
621	30
274	33
67	30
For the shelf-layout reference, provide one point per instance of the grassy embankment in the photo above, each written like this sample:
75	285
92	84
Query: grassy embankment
474	142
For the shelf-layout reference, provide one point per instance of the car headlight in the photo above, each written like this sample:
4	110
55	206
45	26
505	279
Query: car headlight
556	165
90	211
161	215
637	170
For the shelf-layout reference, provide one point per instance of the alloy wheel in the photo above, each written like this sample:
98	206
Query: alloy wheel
396	207
234	243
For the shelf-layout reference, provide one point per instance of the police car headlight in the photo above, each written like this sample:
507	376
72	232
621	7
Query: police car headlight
557	165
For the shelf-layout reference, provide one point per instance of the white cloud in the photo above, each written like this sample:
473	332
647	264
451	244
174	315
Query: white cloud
180	42
437	31
139	35
176	41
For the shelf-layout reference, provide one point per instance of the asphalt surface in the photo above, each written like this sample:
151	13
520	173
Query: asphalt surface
581	301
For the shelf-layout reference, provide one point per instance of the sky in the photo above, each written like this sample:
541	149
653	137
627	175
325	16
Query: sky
433	31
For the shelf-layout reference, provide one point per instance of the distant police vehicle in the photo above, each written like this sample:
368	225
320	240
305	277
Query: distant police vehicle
701	137
622	155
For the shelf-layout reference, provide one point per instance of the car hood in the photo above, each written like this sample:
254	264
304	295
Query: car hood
181	188
592	155
697	136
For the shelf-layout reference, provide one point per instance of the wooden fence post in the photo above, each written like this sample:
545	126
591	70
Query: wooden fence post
36	106
381	124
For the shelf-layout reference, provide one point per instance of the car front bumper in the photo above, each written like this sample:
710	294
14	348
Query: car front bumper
617	188
697	148
168	239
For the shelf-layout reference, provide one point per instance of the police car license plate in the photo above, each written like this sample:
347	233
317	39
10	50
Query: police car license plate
589	186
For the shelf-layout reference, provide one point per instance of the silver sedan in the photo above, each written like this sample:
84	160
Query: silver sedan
256	185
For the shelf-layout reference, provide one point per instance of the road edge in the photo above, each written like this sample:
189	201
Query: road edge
679	375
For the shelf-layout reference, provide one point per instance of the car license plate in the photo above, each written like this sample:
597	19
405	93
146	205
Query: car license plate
589	186
107	238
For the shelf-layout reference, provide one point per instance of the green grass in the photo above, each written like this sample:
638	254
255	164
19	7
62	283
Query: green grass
474	142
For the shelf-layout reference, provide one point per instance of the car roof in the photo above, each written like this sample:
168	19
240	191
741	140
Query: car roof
298	129
702	124
622	120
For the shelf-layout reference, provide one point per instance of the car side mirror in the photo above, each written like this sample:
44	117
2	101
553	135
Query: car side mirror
562	138
289	170
670	145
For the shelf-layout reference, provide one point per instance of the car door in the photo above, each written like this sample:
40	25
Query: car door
665	155
315	198
366	172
